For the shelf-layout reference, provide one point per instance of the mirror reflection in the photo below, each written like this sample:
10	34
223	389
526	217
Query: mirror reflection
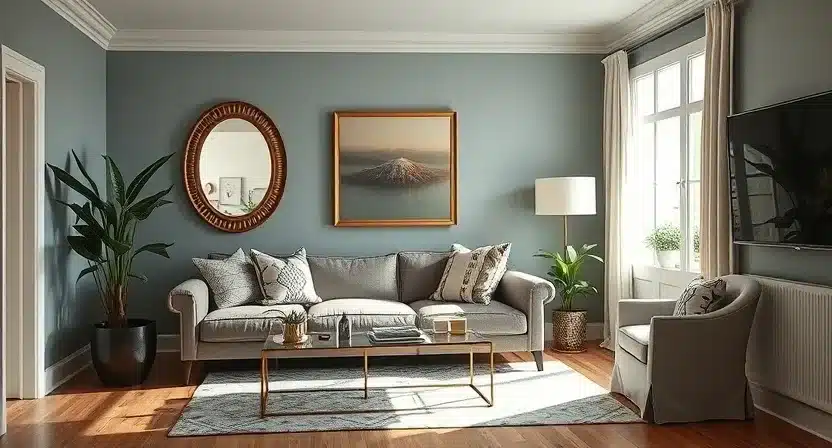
235	167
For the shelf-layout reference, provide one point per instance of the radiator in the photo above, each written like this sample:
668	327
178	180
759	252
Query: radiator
790	350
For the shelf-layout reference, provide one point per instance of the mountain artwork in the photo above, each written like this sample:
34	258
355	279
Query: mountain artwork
395	168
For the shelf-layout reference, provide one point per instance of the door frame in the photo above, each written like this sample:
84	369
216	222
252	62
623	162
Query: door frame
31	337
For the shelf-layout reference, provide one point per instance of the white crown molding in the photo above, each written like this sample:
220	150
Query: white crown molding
353	41
652	19
86	18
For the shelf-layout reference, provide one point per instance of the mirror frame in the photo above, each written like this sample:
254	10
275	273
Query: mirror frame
190	166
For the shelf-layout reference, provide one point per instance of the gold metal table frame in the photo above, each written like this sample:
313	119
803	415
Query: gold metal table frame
366	353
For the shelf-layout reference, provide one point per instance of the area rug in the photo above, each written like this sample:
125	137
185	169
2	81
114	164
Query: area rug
229	402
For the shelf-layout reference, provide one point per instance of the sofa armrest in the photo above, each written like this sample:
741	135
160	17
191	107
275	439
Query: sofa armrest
189	299
641	311
528	294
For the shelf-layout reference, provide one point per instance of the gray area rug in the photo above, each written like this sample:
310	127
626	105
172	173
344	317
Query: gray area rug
229	402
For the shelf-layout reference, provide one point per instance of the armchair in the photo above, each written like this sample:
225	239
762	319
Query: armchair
686	368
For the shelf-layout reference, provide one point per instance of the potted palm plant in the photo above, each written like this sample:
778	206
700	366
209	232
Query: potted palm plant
123	349
569	325
666	240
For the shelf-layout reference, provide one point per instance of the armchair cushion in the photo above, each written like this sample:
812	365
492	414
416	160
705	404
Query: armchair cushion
635	339
701	297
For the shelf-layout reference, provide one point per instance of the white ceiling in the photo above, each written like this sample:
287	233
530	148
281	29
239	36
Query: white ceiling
443	16
455	26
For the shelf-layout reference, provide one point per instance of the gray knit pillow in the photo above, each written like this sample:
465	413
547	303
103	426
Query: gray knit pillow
233	280
285	280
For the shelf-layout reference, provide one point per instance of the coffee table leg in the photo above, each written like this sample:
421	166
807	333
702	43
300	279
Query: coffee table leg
366	393
471	366
264	384
492	376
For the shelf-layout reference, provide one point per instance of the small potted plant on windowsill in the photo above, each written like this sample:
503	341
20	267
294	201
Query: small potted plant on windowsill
666	240
570	324
122	349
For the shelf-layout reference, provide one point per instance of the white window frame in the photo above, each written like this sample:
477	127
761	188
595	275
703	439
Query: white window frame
681	55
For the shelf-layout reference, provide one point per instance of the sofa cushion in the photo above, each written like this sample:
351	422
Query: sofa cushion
247	323
473	275
285	280
420	273
634	339
233	280
496	318
351	277
364	314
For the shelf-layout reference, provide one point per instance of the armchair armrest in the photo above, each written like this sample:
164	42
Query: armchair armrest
640	311
190	300
528	294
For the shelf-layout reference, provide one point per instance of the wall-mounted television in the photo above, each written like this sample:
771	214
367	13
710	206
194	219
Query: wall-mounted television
780	162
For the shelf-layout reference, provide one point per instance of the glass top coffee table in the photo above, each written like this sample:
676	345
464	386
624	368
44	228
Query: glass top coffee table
360	346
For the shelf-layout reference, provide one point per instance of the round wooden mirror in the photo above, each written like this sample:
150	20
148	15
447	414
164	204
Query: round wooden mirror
234	166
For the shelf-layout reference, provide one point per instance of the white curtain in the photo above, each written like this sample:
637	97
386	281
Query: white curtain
715	211
617	270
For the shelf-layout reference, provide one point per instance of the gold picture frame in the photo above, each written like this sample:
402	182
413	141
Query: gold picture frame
394	168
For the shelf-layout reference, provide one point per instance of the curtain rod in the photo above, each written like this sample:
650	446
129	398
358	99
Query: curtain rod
664	33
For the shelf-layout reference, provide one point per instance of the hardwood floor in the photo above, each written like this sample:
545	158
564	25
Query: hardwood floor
83	413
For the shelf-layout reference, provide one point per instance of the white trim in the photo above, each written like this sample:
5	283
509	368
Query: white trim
17	66
352	41
594	332
65	369
652	19
85	18
807	418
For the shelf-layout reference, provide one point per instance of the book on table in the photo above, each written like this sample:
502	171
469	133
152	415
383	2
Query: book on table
396	335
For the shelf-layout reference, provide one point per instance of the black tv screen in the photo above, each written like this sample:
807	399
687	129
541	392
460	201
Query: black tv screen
780	160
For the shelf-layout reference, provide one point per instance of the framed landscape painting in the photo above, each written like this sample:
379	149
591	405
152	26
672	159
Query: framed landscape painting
395	168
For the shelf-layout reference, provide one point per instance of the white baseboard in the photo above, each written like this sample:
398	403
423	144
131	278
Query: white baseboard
594	331
166	343
792	411
63	370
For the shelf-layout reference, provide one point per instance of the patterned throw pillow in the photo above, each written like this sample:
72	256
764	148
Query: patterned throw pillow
285	280
701	297
232	280
473	275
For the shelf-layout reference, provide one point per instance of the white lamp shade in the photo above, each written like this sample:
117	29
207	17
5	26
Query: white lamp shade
564	196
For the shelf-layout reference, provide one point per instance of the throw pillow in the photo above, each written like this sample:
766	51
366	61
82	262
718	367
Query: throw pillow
232	280
701	297
285	280
473	275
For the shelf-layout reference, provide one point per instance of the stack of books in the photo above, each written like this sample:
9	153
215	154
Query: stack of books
396	335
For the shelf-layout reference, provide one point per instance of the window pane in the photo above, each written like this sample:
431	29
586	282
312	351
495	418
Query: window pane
694	145
696	81
693	220
668	152
669	87
644	96
642	189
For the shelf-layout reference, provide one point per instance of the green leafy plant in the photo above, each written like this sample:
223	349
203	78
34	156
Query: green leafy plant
292	317
566	272
248	205
696	240
107	230
665	237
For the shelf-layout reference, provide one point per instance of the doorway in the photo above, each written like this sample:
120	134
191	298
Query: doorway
22	198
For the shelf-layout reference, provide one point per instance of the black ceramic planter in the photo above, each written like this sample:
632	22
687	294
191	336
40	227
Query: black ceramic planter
124	356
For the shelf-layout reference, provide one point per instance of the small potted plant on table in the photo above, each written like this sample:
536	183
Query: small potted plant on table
666	240
123	350
569	325
294	326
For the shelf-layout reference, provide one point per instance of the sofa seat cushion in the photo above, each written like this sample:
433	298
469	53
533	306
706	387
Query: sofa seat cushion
496	318
634	339
247	323
364	314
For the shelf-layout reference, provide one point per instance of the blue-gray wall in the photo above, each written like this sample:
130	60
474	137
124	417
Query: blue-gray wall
76	117
782	51
520	117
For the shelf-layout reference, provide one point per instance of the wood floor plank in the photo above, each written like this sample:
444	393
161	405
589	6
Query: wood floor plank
82	413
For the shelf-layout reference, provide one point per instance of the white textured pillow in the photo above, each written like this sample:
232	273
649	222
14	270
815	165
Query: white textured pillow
285	280
232	280
701	297
473	275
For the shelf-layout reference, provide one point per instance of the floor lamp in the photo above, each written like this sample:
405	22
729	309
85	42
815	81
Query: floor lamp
564	196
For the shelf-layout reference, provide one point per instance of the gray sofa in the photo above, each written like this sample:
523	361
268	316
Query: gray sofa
374	291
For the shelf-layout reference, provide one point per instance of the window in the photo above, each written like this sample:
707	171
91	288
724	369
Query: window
665	151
